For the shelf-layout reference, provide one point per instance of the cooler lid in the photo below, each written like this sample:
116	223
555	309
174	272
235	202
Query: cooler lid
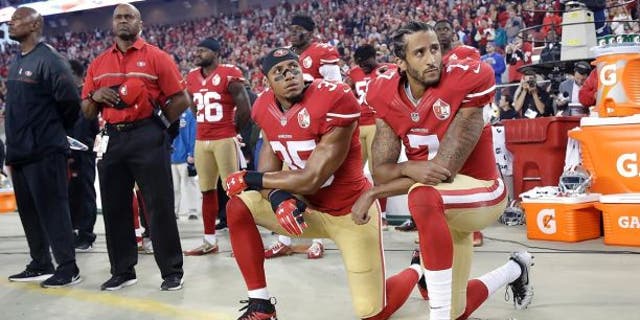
609	121
590	197
621	198
616	48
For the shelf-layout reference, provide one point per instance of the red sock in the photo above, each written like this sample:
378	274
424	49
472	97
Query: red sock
399	288
383	204
210	211
436	245
136	212
477	294
246	244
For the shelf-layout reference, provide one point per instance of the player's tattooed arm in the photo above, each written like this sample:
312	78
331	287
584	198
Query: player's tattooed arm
460	139
384	154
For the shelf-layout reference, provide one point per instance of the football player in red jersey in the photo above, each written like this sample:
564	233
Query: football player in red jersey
310	127
358	78
218	93
453	50
451	179
318	60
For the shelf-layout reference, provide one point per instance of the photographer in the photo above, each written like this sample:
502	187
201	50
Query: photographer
532	101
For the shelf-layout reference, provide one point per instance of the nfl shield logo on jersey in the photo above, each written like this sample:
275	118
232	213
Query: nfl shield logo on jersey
307	62
441	109
304	119
415	116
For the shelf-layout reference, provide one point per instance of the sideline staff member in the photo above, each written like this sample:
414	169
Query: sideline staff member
135	147
41	102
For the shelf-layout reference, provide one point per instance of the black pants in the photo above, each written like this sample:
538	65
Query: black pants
82	194
43	204
141	155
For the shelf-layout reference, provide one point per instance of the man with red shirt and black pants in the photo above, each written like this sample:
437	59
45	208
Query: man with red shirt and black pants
135	147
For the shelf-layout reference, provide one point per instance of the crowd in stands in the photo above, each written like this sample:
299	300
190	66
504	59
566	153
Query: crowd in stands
345	24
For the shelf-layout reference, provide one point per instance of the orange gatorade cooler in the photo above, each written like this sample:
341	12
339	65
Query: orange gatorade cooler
610	148
618	73
7	200
621	216
567	219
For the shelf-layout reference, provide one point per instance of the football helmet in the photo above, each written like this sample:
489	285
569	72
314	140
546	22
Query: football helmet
513	215
575	181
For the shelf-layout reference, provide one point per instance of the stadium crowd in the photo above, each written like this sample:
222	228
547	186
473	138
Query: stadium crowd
346	25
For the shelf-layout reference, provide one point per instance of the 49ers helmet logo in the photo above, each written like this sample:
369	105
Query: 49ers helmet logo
441	110
280	53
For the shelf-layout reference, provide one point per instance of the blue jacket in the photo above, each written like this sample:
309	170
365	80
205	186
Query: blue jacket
184	143
496	61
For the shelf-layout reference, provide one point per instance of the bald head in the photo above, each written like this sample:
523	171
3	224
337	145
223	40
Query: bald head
128	7
127	23
26	23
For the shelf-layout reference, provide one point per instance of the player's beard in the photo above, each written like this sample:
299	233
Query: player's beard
204	63
422	78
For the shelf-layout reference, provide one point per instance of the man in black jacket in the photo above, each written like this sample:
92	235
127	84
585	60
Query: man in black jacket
82	164
42	102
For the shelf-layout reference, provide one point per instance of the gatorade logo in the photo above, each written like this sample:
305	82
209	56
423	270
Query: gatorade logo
629	222
547	221
608	75
627	165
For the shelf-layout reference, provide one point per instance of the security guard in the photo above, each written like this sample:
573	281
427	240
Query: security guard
136	147
82	193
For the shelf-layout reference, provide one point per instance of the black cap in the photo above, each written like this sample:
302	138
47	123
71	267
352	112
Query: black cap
304	21
276	56
582	67
210	43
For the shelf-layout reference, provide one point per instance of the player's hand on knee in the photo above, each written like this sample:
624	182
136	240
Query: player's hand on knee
289	215
236	183
288	210
243	180
426	172
360	210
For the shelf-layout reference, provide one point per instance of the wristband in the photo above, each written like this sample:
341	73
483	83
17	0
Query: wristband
253	180
277	196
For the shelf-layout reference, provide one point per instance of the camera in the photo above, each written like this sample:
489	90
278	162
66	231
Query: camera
531	83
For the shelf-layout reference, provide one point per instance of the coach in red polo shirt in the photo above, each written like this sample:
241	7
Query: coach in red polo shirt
123	84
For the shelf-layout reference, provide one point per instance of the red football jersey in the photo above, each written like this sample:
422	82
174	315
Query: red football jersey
214	119
294	134
360	82
463	84
460	53
315	56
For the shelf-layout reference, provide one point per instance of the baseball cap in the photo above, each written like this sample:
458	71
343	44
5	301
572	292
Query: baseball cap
133	92
582	67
